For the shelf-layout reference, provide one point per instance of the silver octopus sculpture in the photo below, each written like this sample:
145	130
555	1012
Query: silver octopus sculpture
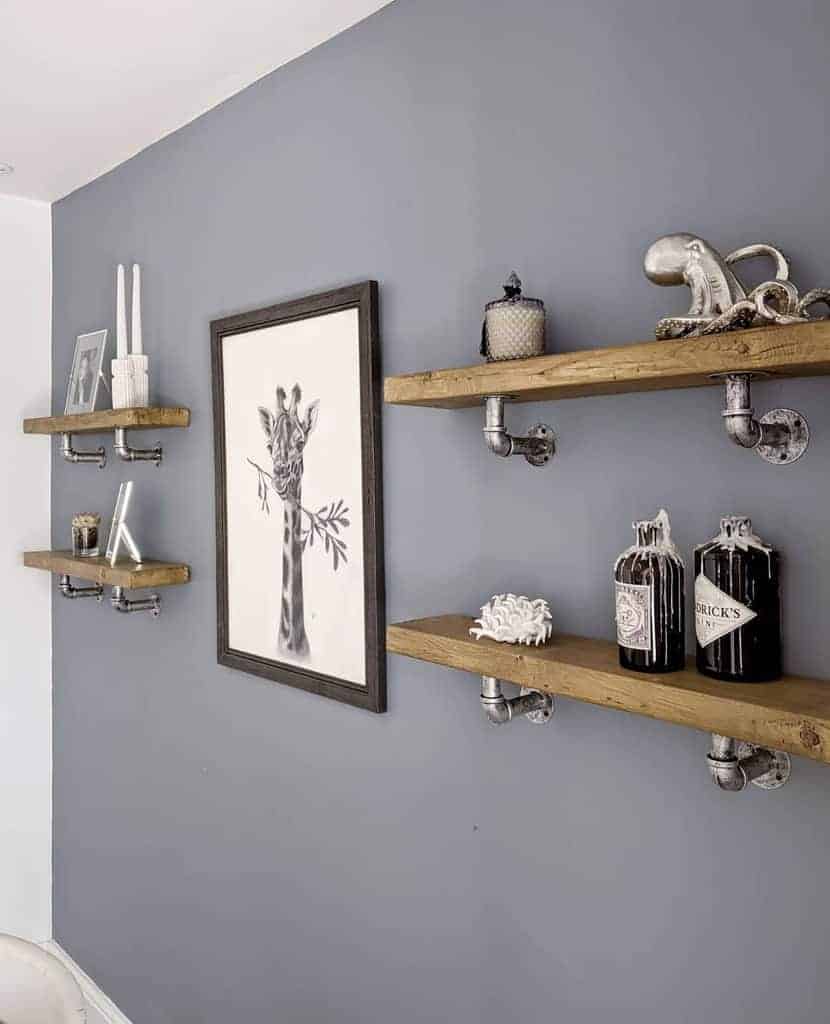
719	301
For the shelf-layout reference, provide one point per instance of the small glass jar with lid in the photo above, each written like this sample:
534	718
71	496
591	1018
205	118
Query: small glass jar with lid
514	326
85	529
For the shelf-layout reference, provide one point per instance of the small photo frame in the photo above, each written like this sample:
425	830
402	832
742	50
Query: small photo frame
82	389
119	531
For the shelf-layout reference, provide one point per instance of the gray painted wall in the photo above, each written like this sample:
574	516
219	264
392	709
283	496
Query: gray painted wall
227	849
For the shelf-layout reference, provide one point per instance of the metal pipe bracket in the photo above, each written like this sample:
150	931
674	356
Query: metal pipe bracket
121	603
733	764
538	446
129	454
780	436
69	591
71	454
535	706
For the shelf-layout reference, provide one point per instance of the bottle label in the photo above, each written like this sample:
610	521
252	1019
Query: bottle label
716	613
634	616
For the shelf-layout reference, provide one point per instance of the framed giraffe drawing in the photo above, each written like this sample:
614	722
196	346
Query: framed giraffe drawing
299	518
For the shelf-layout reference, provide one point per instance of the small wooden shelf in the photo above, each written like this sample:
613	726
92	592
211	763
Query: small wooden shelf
801	350
792	714
98	570
108	419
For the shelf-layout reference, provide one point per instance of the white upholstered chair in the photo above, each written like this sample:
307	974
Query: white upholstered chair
35	987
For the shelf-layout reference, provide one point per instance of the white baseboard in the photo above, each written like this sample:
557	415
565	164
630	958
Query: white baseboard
99	1003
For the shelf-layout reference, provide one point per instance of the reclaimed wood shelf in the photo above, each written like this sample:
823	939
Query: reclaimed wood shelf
154	417
129	575
791	714
799	350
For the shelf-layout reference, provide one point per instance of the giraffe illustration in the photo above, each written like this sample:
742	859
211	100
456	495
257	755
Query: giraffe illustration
286	436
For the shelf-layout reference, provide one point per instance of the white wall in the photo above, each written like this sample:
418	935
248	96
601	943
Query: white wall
25	596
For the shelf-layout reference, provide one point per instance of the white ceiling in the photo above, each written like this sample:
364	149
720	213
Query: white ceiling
85	85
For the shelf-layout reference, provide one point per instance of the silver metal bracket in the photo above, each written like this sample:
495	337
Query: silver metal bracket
534	705
68	590
538	447
72	455
120	603
733	764
781	436
128	454
797	437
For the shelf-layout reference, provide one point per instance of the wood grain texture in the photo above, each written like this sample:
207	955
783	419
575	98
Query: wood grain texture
801	350
791	714
107	419
98	570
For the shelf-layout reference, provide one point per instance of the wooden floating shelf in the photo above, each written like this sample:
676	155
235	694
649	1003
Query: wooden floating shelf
800	350
98	570
155	417
791	714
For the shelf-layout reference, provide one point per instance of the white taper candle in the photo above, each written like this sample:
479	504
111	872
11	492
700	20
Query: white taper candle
120	315
136	339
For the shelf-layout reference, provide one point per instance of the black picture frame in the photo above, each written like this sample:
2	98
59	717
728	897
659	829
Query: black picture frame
364	298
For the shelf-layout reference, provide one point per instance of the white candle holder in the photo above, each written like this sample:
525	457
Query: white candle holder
123	384
140	381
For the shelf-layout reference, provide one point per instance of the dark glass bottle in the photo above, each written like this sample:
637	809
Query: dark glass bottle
738	605
649	594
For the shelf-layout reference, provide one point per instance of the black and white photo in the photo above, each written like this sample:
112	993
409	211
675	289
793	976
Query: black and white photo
82	389
299	551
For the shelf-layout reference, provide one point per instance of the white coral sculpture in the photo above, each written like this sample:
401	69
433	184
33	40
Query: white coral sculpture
514	620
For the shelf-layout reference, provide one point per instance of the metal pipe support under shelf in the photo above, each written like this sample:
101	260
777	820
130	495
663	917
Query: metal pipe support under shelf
71	454
538	447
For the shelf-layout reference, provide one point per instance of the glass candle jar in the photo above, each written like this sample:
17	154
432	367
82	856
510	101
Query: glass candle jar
514	326
85	535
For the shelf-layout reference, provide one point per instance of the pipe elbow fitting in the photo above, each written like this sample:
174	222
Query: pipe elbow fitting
738	414
127	453
727	774
724	766
496	436
780	437
743	428
498	441
497	709
122	450
493	702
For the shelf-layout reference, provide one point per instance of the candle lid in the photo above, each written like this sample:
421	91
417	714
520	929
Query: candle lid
513	295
